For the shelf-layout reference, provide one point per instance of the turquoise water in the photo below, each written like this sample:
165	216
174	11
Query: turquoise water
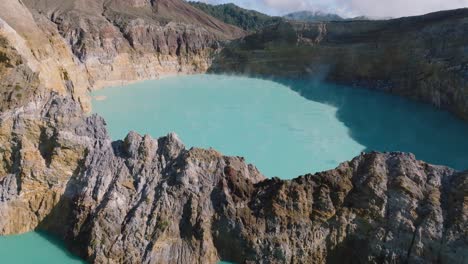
285	127
282	133
34	248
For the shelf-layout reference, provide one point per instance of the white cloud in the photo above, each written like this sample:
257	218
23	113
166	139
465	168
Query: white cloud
377	8
293	5
398	8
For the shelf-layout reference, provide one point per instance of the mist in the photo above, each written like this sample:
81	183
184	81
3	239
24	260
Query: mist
350	8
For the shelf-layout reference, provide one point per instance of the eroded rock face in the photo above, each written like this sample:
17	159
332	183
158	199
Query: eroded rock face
42	145
120	41
202	207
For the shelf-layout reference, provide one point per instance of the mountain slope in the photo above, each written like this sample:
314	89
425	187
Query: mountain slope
318	16
162	11
249	20
311	16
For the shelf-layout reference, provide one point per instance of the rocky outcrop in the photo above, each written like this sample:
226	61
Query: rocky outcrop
15	76
43	144
423	58
202	207
143	200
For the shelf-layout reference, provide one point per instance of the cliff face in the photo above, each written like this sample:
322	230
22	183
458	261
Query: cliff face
43	143
134	40
35	59
423	58
143	200
75	45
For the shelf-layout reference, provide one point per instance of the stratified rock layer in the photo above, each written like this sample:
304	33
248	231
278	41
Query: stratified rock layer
134	40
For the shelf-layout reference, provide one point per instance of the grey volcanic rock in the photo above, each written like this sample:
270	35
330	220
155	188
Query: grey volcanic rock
42	145
145	200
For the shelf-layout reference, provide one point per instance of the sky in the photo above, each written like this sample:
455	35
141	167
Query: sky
349	8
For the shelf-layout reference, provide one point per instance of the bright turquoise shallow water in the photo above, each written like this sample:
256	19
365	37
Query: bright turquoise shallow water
34	248
287	127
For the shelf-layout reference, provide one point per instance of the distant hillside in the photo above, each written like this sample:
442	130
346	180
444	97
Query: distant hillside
249	20
313	16
318	16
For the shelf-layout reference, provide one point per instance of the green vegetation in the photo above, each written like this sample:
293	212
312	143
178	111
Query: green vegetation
65	75
5	60
3	42
3	57
249	20
162	224
317	16
309	16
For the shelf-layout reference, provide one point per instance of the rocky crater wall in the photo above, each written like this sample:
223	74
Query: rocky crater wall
75	45
423	58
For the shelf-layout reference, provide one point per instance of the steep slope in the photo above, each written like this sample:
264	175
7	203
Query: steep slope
162	11
423	58
36	57
132	40
64	48
249	20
